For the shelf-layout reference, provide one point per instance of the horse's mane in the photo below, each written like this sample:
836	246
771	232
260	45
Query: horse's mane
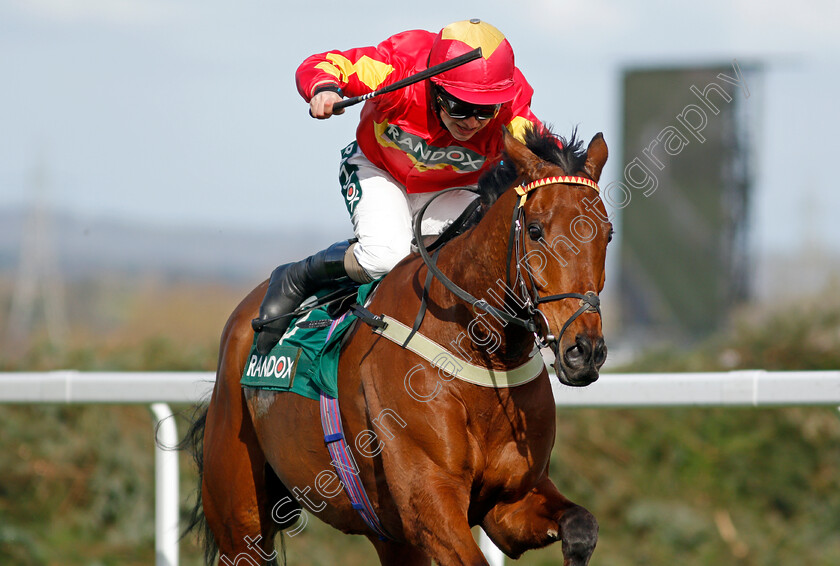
545	144
567	154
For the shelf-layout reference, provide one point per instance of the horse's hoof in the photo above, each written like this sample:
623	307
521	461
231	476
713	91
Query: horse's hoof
579	532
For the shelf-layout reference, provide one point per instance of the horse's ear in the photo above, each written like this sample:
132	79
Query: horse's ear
527	164
596	156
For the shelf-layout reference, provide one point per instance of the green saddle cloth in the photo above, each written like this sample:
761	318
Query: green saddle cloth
305	361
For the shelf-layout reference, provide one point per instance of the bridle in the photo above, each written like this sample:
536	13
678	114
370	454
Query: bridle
528	296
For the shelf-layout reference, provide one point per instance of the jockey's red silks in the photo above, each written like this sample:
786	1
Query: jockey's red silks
400	132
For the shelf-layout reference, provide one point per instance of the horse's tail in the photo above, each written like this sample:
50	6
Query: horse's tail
194	443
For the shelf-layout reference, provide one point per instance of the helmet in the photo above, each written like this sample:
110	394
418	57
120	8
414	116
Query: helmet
487	80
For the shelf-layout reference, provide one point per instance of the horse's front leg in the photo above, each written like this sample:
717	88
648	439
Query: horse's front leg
435	519
398	554
540	518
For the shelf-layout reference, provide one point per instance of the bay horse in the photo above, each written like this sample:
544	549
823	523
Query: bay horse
437	455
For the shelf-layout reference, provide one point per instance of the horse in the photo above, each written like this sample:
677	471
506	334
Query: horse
435	455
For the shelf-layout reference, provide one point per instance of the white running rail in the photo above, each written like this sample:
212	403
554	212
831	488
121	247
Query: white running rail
756	388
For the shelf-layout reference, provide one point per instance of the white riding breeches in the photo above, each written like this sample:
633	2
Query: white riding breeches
383	213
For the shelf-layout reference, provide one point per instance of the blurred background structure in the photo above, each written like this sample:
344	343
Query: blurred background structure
38	288
687	147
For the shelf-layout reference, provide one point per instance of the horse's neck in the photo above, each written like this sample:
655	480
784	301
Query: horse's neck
477	262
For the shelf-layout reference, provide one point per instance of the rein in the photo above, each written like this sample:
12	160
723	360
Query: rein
589	301
431	264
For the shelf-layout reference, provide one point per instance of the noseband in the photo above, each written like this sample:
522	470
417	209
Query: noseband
529	296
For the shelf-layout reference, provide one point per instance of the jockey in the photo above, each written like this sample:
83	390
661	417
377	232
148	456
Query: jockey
435	134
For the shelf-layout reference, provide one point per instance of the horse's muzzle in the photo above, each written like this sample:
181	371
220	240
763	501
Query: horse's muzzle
579	363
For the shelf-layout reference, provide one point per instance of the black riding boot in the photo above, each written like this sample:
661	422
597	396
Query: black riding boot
289	285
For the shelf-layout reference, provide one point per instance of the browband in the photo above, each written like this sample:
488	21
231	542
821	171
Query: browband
523	190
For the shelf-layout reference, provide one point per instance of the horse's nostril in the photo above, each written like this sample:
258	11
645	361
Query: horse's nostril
574	357
584	353
579	365
600	355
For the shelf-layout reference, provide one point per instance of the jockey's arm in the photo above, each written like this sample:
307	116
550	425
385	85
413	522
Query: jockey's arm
357	71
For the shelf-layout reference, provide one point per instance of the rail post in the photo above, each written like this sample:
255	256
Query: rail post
166	486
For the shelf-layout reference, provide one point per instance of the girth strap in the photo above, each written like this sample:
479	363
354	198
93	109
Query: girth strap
345	465
342	459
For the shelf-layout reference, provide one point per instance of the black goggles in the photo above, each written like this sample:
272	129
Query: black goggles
460	110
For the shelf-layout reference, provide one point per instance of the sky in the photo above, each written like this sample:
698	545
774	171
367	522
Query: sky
186	113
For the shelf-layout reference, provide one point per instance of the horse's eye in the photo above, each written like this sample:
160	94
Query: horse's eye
535	231
609	237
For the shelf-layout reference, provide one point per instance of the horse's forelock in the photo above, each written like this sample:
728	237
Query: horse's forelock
569	155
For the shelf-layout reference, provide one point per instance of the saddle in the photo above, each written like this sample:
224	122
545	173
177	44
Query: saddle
305	360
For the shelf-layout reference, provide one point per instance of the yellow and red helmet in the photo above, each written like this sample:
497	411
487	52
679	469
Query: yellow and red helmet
488	79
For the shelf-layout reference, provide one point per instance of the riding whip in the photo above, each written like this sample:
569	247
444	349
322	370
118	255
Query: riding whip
422	75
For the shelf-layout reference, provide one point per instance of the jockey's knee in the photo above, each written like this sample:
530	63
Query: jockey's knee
377	260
